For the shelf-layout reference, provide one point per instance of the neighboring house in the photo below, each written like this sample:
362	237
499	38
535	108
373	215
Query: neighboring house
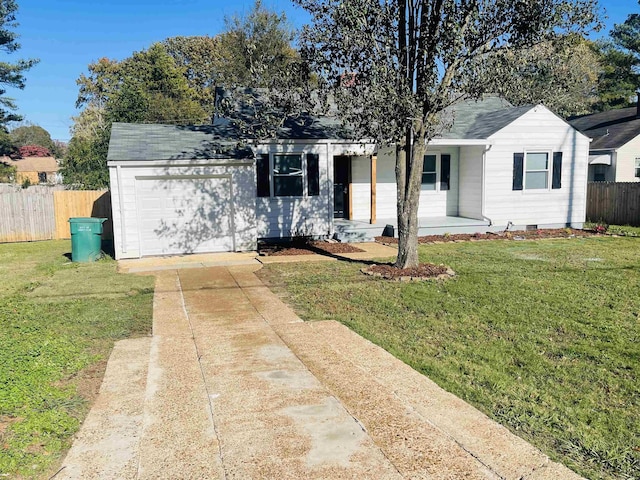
193	189
34	169
614	154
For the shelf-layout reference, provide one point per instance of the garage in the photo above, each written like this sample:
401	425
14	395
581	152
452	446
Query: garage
185	215
179	190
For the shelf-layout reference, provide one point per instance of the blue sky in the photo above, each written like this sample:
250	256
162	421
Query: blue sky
67	35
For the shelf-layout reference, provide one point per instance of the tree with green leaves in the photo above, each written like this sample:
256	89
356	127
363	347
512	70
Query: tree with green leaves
200	59
620	65
11	74
32	135
409	61
563	74
147	87
255	50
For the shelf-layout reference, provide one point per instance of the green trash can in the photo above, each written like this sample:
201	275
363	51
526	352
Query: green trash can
86	238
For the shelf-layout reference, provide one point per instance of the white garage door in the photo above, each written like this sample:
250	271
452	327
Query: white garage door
184	215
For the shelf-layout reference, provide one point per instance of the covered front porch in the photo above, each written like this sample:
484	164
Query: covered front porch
362	230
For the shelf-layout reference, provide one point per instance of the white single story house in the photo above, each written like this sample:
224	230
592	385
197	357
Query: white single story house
193	189
614	154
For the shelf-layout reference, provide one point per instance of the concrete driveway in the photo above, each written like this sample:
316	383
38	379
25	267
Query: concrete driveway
233	385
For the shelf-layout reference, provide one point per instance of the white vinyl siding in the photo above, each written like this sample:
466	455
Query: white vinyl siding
288	216
538	130
471	182
433	202
624	162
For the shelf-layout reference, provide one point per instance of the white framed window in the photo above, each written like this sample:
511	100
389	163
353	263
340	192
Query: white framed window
637	173
287	175
430	172
436	172
537	170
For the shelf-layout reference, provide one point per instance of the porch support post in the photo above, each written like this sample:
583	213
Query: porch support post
374	175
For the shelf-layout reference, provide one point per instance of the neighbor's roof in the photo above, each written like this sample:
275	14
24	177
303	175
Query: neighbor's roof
32	164
611	129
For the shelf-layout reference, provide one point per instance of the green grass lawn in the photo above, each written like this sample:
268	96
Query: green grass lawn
543	336
58	323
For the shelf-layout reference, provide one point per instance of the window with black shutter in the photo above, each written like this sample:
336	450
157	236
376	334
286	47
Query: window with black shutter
556	181
263	181
313	174
518	165
445	171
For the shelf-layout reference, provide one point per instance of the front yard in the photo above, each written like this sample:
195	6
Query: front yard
58	323
543	336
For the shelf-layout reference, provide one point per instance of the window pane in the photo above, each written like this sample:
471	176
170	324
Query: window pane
428	181
313	174
287	164
536	180
537	161
287	186
429	163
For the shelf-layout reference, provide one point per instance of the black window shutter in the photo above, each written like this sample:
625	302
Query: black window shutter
263	175
518	164
445	171
557	170
313	174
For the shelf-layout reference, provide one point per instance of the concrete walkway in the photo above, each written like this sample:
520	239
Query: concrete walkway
233	385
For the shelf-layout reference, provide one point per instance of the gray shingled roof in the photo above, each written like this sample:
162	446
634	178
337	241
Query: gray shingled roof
481	119
132	141
610	129
471	120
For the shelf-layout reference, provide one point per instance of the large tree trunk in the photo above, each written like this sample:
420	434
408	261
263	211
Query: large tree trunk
409	158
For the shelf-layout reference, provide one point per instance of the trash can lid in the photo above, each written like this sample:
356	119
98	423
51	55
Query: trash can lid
86	220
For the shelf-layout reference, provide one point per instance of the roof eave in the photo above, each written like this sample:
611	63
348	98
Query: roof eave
199	162
460	142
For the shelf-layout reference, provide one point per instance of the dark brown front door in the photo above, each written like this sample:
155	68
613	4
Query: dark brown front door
341	180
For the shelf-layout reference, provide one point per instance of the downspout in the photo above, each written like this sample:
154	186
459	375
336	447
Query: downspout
483	192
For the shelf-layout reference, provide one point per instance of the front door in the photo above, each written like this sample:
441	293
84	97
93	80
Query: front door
341	180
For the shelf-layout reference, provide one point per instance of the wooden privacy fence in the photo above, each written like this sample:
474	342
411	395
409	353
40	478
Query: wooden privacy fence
614	203
26	215
81	203
42	214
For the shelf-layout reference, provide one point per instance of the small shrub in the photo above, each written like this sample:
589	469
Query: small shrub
26	183
597	227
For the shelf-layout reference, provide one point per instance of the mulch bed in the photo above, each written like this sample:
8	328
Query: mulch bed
424	271
515	235
308	248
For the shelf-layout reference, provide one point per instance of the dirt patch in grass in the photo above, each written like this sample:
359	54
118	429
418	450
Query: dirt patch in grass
424	271
307	248
515	235
89	380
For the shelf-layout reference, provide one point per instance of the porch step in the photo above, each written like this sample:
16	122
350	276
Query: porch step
356	236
